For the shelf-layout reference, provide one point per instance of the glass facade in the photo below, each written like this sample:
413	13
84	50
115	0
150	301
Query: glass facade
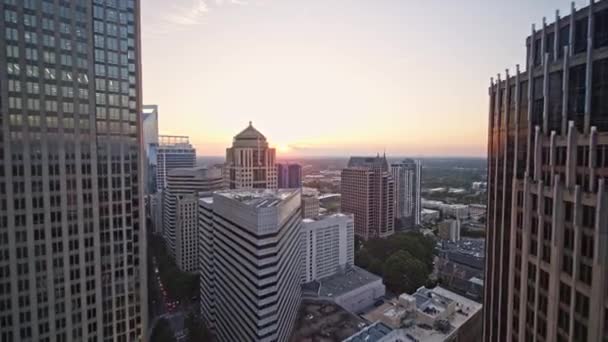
70	224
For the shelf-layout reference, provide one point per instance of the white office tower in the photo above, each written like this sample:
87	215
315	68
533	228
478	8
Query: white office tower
250	163
181	212
328	243
250	255
407	192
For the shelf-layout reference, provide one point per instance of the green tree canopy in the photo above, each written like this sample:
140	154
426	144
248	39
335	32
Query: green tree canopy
404	273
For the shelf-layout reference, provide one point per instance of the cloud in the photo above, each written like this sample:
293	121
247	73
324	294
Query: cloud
188	15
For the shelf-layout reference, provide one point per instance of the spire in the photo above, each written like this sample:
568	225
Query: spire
250	123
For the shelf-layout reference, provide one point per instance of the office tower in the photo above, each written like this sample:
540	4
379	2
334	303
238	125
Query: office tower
547	243
72	229
180	205
173	152
310	203
368	192
250	163
251	266
149	118
328	243
289	176
407	192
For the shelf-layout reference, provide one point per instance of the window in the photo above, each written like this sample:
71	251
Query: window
576	95
580	35
599	101
600	35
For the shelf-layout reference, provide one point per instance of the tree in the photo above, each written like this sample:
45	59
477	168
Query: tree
404	273
162	332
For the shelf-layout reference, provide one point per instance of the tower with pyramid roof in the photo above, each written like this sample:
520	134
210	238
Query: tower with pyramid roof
250	163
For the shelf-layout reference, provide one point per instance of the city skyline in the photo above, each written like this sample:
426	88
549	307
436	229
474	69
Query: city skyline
327	59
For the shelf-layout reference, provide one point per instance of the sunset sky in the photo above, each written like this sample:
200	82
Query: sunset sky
334	77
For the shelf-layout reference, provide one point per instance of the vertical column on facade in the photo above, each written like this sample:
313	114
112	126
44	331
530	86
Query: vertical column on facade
577	220
513	237
592	186
525	254
571	154
530	98
552	157
600	268
589	71
489	229
557	237
565	90
600	255
543	43
496	139
504	229
546	93
556	37
571	38
538	137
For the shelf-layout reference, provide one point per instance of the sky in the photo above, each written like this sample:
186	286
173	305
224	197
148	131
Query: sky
334	77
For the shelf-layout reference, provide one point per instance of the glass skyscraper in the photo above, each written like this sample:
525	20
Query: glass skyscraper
72	242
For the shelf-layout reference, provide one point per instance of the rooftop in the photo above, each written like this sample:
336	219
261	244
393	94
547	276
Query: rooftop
263	198
368	162
342	283
324	321
323	217
448	309
372	333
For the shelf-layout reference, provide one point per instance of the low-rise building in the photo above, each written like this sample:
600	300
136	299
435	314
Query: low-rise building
372	333
430	315
429	215
459	262
355	290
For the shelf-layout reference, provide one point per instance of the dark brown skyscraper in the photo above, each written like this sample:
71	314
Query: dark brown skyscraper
368	192
547	243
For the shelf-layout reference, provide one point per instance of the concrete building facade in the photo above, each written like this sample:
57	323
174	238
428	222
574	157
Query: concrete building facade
251	263
72	225
180	205
173	152
406	175
310	203
547	242
368	192
250	163
328	243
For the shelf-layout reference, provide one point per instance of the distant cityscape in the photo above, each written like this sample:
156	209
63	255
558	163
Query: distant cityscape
219	217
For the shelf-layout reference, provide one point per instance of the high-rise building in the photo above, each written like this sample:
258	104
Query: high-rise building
547	242
407	175
310	203
329	246
72	228
250	163
180	205
251	263
289	175
150	141
173	152
368	192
